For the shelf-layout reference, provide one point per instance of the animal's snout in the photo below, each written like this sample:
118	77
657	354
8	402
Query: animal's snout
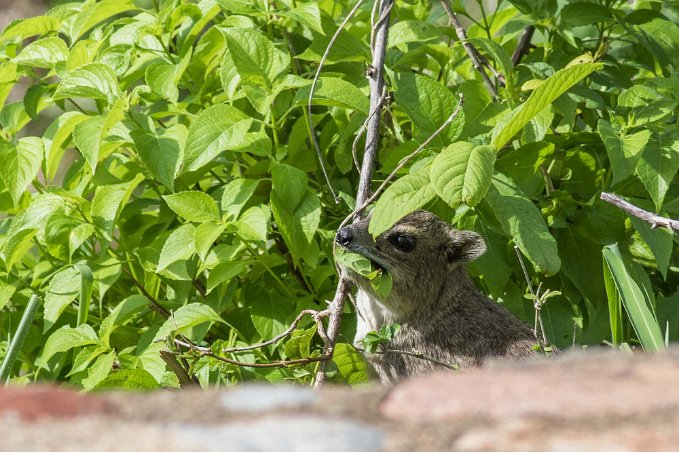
344	236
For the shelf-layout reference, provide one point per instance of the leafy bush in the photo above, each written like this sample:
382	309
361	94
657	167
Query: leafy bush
158	180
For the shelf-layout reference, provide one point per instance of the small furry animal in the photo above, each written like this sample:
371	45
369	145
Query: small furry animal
441	313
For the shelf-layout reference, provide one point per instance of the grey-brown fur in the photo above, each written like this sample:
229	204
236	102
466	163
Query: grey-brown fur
441	313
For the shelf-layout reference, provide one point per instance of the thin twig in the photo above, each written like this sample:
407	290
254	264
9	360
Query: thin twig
155	305
471	51
273	340
359	134
655	220
414	354
205	351
524	45
179	370
312	129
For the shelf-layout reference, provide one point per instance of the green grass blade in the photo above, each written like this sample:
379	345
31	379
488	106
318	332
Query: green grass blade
614	307
645	325
19	337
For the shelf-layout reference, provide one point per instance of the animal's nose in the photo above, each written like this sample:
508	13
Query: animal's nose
344	236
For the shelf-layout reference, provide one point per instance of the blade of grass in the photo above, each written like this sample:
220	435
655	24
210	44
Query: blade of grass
19	337
614	307
645	325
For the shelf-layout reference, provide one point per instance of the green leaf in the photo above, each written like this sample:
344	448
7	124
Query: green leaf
350	364
96	12
659	240
206	235
20	165
334	92
44	53
540	98
6	292
224	271
256	58
25	28
462	173
185	318
66	338
253	225
657	167
582	13
193	206
406	31
236	194
120	315
94	81
57	136
289	183
644	323
87	136
522	221
307	14
99	370
106	204
129	380
353	261
624	151
269	314
299	344
179	246
214	131
64	287
161	152
428	104
406	195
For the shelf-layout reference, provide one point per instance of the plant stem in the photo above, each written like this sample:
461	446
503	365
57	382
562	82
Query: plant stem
18	338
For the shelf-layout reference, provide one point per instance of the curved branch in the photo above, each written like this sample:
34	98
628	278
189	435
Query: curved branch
655	220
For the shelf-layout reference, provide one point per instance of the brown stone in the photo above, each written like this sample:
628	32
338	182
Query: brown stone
47	402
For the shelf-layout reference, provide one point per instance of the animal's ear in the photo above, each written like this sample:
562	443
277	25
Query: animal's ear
464	246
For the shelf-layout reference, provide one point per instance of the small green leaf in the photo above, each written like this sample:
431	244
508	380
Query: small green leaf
66	338
94	81
161	151
253	225
106	204
257	60
193	206
20	165
406	195
129	380
25	28
522	221
657	167
99	370
405	31
215	130
299	344
224	271
308	14
236	194
120	315
44	53
185	318
428	104
350	364
63	288
624	151
462	173
206	235
633	299
179	246
334	92
540	98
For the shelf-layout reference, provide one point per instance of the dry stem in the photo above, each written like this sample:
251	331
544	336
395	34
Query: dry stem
655	220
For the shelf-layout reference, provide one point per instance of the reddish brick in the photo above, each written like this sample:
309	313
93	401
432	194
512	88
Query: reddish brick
48	402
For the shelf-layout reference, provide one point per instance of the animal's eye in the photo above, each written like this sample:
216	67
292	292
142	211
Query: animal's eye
403	242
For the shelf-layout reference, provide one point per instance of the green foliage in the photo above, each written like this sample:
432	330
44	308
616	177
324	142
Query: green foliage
158	183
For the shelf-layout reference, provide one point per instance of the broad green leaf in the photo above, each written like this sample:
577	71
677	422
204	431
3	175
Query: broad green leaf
583	13
178	246
299	344
307	14
406	195
270	314
657	167
20	164
120	315
44	53
87	136
256	58
428	104
193	206
659	240
297	223
64	287
161	152
66	338
79	235
522	221
540	98
6	292
214	131
500	56
354	261
236	194
128	380
351	365
25	28
94	81
645	325
206	235
253	225
164	78
99	370
8	78
662	40
624	151
57	136
107	203
84	357
224	271
335	92
462	173
185	318
289	183
346	47
406	31
96	12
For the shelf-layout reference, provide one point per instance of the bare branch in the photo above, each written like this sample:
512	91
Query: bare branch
524	45
182	375
414	354
312	129
155	305
473	54
655	220
359	134
376	82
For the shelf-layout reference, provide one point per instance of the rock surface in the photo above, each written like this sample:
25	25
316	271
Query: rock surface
595	401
